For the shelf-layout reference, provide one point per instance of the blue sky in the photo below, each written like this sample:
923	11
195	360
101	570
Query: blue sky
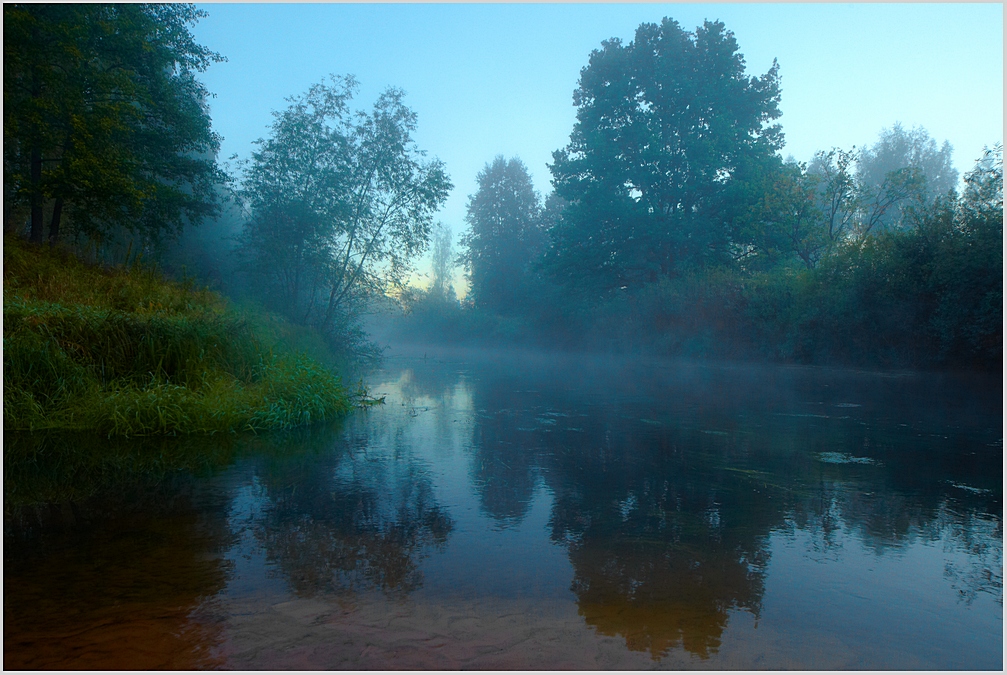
489	79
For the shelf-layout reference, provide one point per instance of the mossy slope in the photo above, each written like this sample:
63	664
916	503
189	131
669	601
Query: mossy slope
126	352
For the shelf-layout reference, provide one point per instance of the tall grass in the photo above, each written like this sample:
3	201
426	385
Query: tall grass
125	352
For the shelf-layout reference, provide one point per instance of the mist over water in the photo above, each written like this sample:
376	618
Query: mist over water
532	510
596	467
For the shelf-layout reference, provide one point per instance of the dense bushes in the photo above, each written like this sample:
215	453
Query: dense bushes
929	297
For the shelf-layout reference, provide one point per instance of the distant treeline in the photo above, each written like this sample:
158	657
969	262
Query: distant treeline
675	225
924	291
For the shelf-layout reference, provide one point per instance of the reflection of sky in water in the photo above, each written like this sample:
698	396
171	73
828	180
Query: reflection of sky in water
734	518
437	433
894	606
490	459
252	575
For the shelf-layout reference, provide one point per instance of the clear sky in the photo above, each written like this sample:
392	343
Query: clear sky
489	79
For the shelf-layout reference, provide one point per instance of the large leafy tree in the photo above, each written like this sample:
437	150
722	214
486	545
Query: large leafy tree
104	119
663	124
340	203
505	235
778	217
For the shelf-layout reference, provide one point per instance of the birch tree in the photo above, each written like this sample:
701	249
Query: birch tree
340	203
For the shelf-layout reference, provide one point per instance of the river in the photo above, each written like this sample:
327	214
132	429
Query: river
516	510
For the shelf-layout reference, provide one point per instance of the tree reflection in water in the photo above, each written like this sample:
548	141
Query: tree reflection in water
673	492
663	548
666	499
114	549
348	516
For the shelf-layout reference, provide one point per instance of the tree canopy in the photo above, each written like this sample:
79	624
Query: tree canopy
663	124
505	234
339	203
104	119
898	148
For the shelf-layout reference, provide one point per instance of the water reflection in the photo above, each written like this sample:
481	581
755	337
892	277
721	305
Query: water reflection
348	518
671	503
56	480
666	496
109	553
661	553
661	556
115	550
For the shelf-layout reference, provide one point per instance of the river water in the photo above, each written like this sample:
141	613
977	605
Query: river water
522	510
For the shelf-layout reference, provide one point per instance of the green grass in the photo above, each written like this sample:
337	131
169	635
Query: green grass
126	352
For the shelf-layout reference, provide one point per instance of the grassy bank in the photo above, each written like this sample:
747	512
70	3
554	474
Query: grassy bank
125	352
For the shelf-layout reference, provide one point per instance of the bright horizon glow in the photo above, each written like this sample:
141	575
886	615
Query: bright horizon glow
491	79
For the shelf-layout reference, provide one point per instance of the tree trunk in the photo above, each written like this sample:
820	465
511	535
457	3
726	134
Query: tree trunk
36	195
57	212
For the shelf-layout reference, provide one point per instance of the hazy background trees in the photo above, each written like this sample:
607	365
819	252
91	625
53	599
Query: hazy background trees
674	226
442	265
505	236
897	149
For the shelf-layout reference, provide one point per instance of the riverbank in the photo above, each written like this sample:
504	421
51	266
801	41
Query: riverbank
127	352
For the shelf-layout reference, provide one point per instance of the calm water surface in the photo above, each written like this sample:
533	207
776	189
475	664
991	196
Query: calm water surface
530	511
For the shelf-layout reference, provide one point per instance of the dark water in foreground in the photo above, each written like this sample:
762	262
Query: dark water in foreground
530	511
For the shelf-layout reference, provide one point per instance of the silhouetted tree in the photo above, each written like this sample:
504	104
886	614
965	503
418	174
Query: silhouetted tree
662	125
505	235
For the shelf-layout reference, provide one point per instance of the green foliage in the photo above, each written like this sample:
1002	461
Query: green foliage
340	204
124	353
676	228
921	297
782	214
777	216
105	120
53	275
966	237
505	236
663	123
